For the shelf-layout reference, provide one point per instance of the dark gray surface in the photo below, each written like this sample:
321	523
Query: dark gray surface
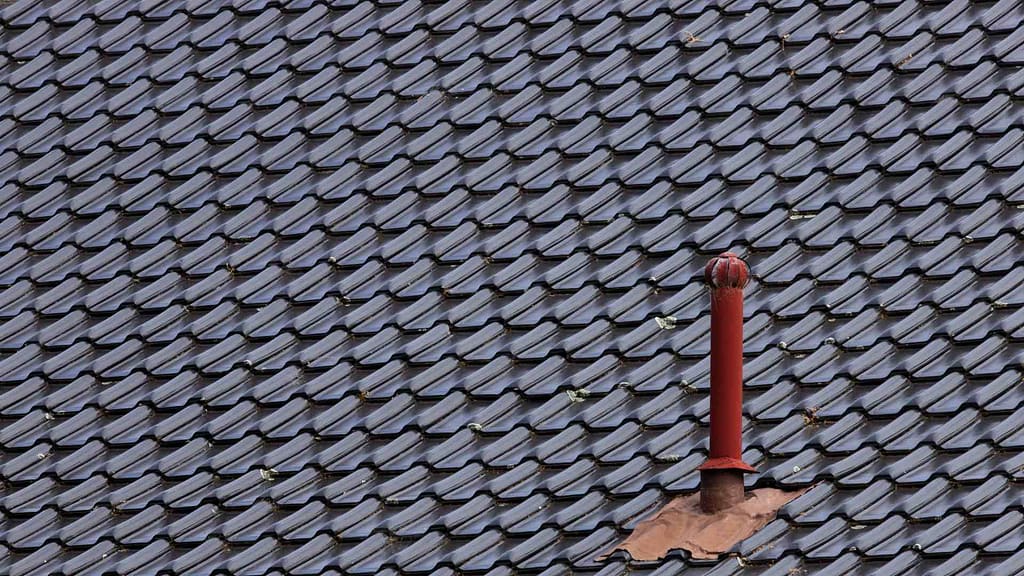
354	287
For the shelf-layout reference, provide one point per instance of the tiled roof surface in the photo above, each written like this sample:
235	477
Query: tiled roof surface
375	287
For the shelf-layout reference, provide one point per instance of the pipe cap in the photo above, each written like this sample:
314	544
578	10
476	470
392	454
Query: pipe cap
726	270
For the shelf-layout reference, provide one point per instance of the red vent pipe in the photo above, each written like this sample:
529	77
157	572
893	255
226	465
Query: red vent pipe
721	476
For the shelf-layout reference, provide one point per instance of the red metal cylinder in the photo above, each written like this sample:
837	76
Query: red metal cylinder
726	275
727	373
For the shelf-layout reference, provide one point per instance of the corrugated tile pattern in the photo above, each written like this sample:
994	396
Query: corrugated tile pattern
353	287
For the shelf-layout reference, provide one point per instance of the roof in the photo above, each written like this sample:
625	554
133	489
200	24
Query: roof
403	287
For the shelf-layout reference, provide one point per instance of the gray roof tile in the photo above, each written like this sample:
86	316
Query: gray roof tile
371	287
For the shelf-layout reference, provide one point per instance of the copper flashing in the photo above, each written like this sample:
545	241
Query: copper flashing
682	524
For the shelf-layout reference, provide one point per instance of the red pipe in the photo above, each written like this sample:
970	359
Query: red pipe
722	473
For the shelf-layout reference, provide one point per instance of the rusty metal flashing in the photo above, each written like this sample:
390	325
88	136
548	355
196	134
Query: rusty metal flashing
683	524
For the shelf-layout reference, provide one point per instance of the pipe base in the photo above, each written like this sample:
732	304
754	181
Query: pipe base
720	489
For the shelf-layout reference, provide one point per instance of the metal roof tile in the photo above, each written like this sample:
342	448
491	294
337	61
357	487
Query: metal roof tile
492	249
